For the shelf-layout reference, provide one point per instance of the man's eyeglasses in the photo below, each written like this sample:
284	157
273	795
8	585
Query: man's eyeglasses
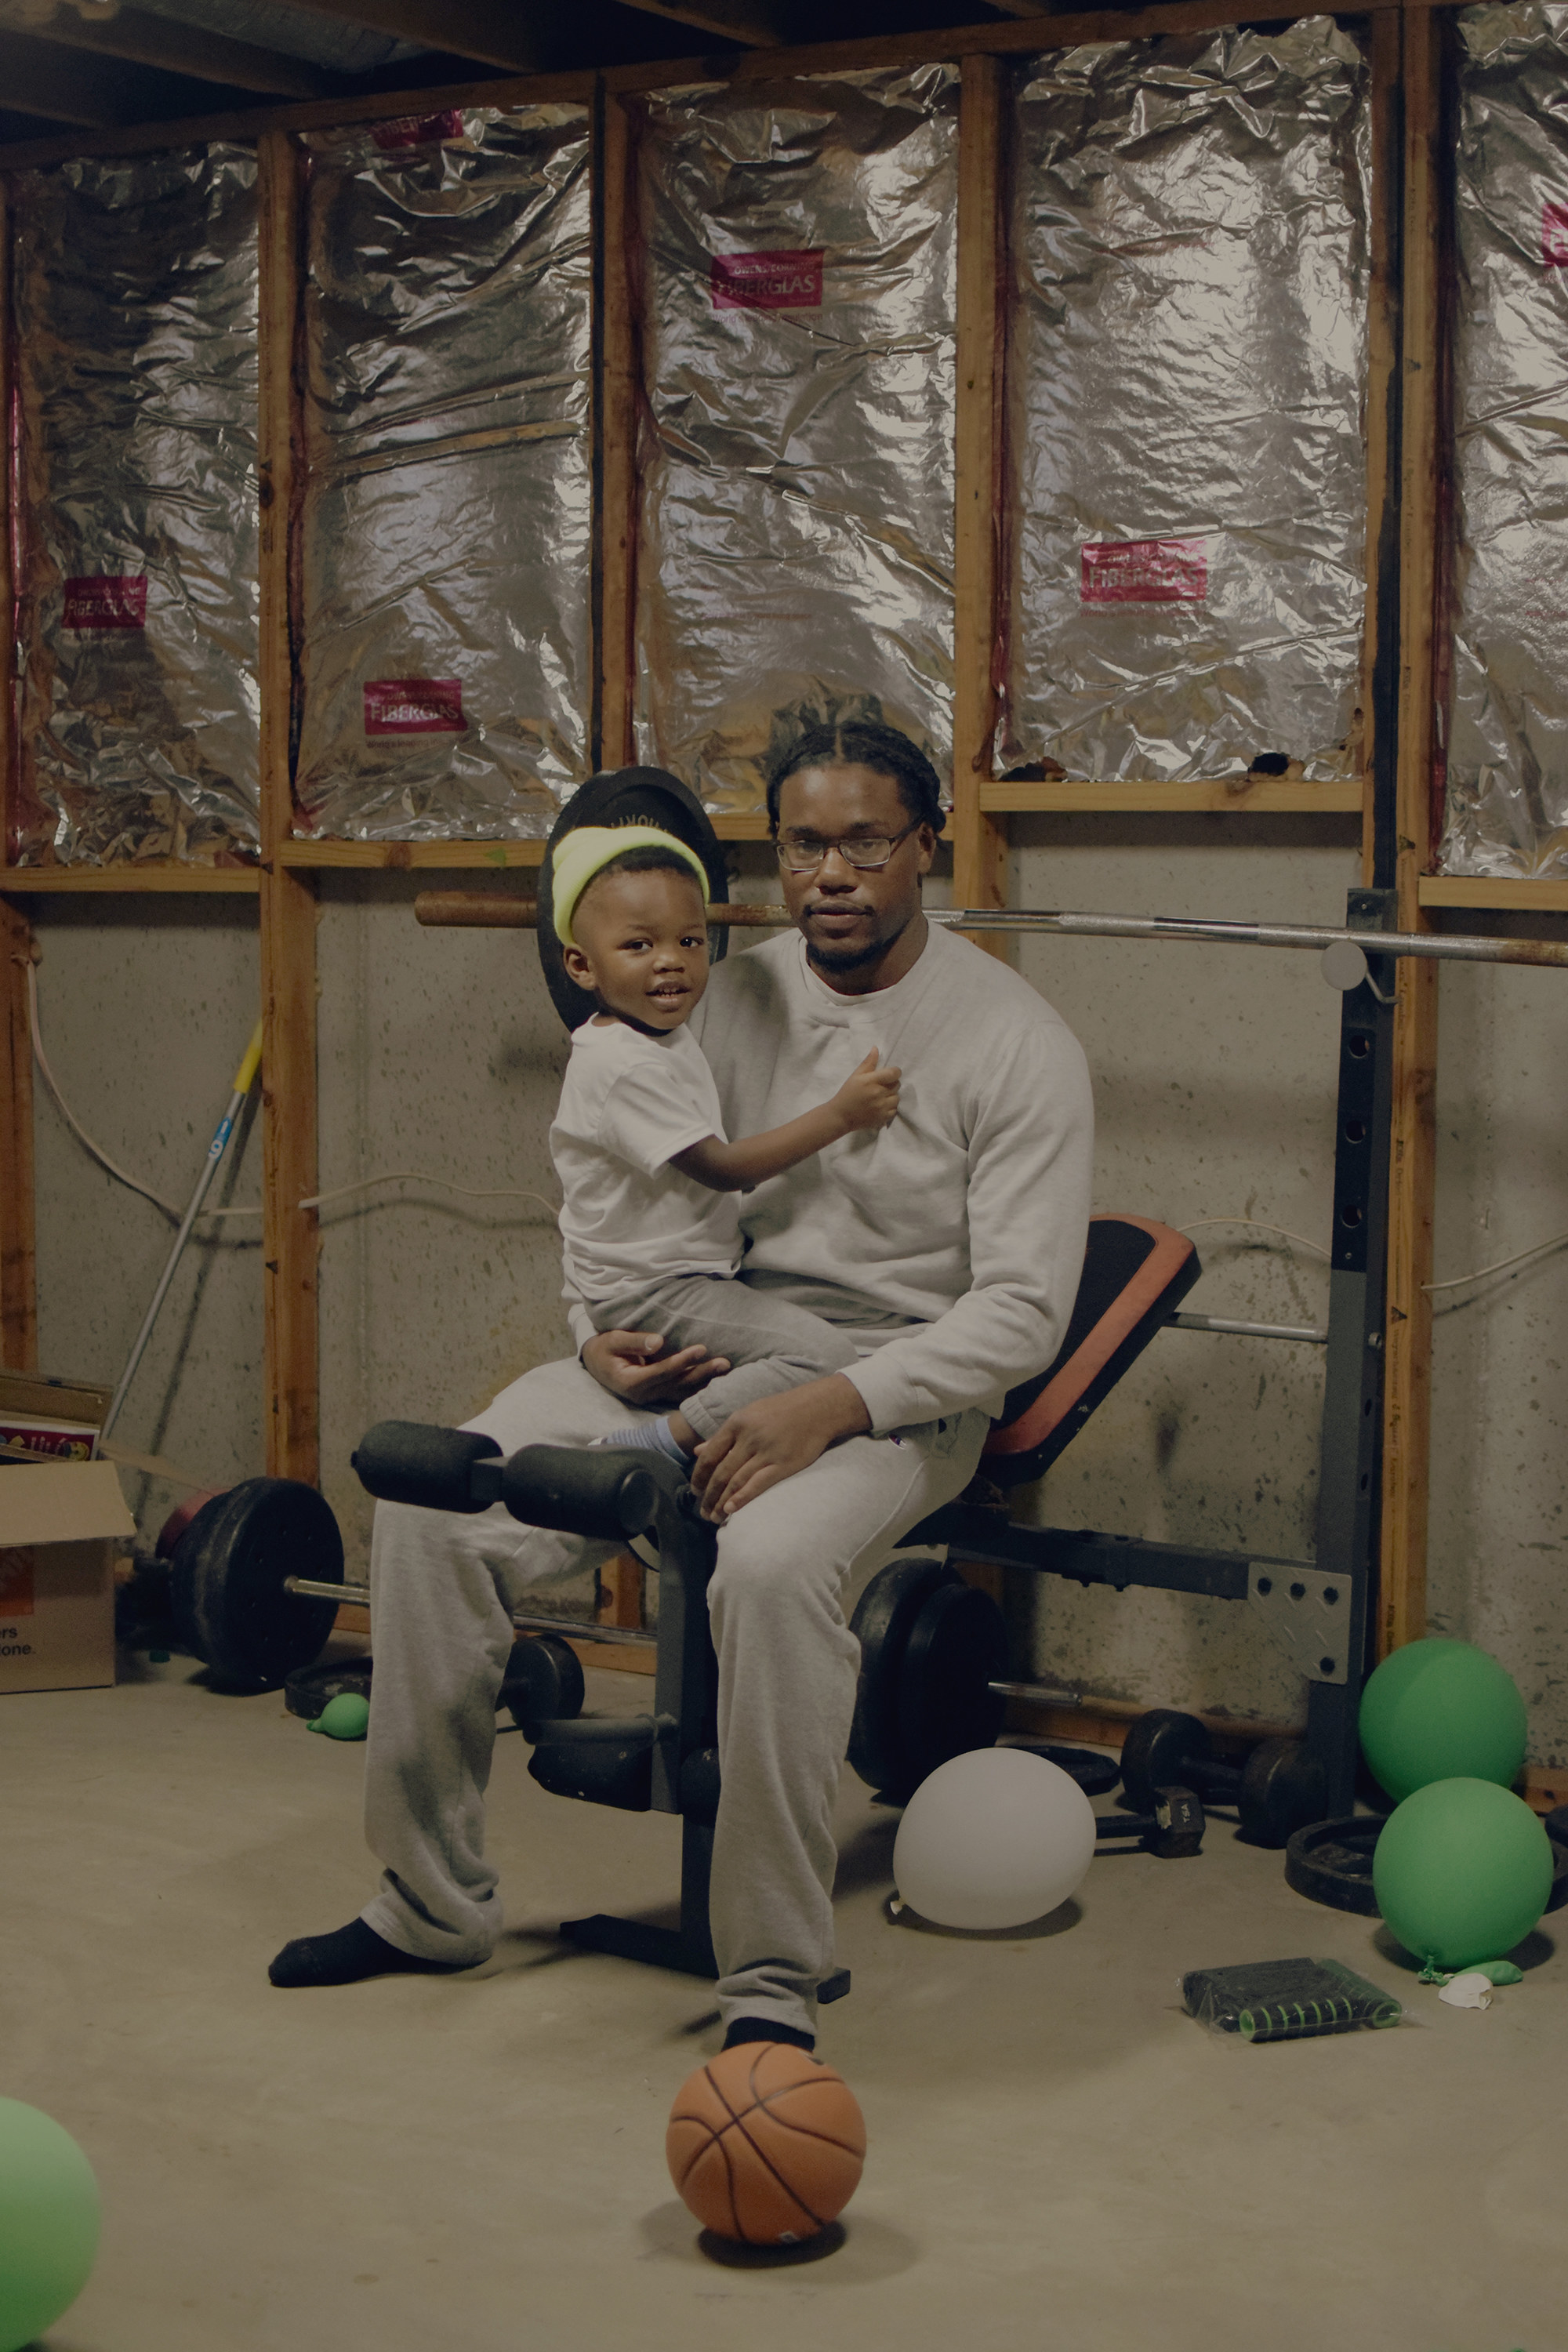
802	853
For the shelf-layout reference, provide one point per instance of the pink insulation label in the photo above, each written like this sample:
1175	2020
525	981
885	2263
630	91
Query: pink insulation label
1143	572
414	706
1554	235
108	600
419	130
767	281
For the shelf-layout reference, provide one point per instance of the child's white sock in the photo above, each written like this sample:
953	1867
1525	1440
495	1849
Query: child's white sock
649	1437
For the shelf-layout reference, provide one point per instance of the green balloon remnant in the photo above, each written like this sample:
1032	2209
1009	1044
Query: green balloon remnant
48	2222
347	1716
1441	1711
1462	1871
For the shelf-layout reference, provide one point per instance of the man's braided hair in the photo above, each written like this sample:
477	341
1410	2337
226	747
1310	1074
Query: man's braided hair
863	743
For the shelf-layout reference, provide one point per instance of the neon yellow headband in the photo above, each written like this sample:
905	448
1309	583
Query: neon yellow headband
589	849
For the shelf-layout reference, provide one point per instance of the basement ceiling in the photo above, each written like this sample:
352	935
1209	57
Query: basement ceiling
102	65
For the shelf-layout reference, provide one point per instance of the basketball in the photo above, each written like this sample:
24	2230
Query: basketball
765	2144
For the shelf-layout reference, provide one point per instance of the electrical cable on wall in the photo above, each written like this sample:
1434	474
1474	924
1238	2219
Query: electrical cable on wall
472	1192
316	1200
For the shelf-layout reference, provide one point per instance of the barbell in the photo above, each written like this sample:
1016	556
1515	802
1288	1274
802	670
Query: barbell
486	910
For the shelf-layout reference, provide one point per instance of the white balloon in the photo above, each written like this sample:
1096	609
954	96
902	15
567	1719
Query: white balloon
993	1839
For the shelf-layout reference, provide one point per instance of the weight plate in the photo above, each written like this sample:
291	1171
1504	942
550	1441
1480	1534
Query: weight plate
627	796
1331	1863
544	1682
881	1622
226	1582
957	1647
1157	1751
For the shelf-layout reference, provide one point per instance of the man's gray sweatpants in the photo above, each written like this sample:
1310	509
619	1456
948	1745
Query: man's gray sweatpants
442	1591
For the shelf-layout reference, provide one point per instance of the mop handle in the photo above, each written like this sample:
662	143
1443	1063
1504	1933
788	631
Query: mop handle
244	1079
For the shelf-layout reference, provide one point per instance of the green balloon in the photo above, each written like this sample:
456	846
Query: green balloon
1441	1710
347	1716
48	2222
1462	1871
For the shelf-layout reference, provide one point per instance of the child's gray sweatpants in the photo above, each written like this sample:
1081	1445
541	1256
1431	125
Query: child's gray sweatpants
442	1591
771	1343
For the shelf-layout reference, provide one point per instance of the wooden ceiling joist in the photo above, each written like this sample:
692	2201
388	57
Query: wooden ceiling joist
488	32
753	23
186	49
99	93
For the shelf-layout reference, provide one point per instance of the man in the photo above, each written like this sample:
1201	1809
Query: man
949	1245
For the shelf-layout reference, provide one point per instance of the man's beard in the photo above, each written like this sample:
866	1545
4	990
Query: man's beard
855	959
846	959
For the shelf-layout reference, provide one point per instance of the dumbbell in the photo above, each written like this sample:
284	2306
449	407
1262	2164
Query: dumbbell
1280	1789
1173	1829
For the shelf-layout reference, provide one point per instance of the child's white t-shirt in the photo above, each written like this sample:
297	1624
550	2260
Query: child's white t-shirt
629	1104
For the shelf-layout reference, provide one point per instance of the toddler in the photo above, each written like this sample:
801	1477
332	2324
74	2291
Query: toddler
650	1224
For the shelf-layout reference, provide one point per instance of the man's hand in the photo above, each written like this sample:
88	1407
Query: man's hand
631	1365
773	1439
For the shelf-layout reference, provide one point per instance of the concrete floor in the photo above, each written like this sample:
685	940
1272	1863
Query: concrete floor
1059	2156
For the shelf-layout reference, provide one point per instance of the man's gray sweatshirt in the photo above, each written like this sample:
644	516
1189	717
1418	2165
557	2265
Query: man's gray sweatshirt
951	1242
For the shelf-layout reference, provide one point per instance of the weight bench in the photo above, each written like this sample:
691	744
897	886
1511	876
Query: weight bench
934	1648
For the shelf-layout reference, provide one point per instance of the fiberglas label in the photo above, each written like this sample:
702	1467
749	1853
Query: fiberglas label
1143	572
419	130
414	706
108	600
767	281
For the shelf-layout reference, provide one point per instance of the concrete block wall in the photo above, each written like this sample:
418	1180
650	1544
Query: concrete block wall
1215	1075
146	1005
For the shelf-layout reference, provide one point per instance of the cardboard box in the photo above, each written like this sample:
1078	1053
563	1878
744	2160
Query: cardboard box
40	1415
61	1527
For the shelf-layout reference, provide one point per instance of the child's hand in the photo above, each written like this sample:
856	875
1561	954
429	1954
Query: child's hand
869	1097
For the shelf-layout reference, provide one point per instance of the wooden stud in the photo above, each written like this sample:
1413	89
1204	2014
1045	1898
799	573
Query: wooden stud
18	1284
615	436
1242	795
621	1592
979	838
18	1290
55	881
403	857
1380	633
1456	890
291	1234
1402	1611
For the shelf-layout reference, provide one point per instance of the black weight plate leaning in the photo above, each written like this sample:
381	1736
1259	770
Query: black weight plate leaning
627	796
881	1622
1331	1863
957	1648
226	1582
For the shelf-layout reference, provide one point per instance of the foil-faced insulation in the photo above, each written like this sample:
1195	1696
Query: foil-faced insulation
135	333
797	292
445	539
1508	736
1186	571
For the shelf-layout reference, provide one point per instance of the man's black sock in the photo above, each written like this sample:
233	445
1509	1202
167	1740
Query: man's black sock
762	2029
348	1957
